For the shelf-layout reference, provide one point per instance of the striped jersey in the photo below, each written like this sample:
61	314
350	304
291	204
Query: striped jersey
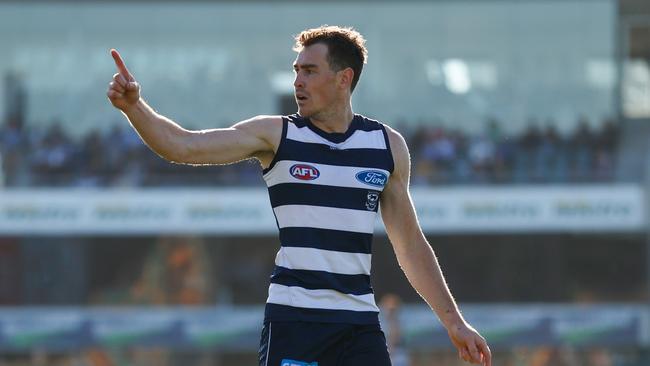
324	189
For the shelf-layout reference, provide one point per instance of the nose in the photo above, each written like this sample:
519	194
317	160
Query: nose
298	82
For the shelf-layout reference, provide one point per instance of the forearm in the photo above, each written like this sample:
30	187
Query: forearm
418	260
161	134
421	268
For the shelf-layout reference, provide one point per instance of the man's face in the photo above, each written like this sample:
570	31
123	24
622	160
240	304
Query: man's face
315	86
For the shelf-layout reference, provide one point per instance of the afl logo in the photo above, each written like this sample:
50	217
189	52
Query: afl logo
372	177
304	172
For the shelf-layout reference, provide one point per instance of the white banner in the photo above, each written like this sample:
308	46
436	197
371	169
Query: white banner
605	208
586	208
136	212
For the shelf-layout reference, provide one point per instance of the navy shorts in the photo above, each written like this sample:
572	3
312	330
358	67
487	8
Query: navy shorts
322	344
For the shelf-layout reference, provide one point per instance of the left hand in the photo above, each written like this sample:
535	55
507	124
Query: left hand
471	346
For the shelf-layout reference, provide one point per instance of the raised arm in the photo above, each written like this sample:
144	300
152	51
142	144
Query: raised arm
418	261
257	137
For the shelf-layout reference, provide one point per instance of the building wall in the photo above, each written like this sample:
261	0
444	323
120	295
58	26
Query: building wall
209	64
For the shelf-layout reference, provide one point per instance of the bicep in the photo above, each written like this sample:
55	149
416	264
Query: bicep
244	140
398	214
397	210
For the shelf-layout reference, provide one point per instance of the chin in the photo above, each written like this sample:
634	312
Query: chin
304	113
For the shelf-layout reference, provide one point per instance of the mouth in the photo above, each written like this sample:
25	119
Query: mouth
301	98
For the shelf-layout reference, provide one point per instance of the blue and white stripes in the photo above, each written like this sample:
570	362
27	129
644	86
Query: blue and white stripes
324	189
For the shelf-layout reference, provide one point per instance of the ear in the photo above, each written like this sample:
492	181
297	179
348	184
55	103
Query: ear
345	78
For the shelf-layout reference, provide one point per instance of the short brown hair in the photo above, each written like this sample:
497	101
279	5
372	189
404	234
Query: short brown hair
345	47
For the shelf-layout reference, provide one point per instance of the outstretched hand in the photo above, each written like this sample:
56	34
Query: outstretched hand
124	90
471	346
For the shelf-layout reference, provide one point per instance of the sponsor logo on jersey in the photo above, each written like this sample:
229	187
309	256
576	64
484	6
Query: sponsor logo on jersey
304	172
372	177
286	362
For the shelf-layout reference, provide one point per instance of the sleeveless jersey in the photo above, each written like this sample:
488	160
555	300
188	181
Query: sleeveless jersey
324	189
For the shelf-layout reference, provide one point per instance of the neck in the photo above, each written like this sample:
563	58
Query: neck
337	120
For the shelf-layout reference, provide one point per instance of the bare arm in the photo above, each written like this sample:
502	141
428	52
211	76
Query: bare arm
254	138
417	259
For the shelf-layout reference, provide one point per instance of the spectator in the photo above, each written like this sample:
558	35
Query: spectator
606	145
549	163
175	273
481	155
440	152
581	152
13	145
92	165
391	325
527	156
52	159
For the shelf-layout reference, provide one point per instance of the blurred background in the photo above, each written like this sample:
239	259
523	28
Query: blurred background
529	128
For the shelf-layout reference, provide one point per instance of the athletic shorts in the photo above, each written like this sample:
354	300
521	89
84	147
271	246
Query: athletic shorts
322	344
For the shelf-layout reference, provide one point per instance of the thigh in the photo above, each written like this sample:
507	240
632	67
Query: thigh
302	343
367	347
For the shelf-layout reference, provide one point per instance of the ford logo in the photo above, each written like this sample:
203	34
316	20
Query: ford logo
372	177
304	172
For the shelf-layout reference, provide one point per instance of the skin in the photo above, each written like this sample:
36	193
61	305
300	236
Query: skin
327	103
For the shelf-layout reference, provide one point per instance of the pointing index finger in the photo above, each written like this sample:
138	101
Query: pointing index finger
121	66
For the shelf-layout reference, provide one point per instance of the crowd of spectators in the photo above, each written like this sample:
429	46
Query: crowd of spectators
538	155
46	156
